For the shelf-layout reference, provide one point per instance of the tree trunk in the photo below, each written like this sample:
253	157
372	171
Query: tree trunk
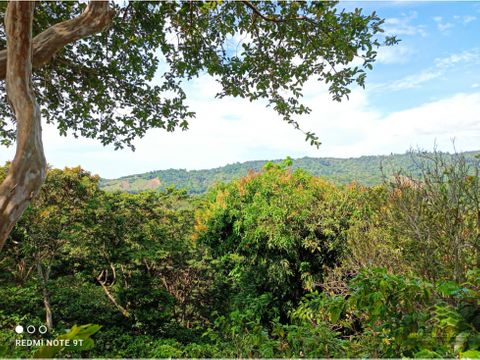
27	171
44	275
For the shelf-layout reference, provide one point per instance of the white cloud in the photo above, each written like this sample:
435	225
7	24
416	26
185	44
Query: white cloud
403	25
399	54
357	129
413	81
465	19
453	117
441	25
444	26
441	67
231	130
468	56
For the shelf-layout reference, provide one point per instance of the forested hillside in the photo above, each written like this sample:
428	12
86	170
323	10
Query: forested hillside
276	264
366	170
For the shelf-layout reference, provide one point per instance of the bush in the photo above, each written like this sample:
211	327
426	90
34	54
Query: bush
387	315
425	224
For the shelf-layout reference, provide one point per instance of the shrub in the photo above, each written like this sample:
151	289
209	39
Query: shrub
387	315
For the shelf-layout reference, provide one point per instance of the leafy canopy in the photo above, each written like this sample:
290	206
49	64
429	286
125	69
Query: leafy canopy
115	85
275	233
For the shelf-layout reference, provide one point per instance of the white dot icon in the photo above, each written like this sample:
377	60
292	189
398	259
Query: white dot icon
19	329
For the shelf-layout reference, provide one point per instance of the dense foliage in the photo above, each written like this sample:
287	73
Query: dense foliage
276	264
366	170
275	233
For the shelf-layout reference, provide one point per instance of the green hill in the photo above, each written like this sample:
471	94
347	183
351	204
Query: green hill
365	170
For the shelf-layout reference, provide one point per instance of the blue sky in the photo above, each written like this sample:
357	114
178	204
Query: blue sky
422	92
439	53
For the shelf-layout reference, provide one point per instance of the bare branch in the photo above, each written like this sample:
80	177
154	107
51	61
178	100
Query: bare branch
107	292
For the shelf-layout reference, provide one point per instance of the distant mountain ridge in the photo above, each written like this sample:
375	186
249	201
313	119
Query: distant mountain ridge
365	170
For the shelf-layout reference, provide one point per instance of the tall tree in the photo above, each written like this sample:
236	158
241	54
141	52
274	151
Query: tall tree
53	223
100	86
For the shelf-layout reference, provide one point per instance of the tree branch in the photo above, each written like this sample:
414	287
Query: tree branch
96	17
107	292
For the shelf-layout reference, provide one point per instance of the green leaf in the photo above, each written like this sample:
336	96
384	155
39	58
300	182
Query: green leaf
81	333
470	354
427	354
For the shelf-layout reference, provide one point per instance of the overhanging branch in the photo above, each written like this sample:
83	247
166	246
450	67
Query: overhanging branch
96	17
